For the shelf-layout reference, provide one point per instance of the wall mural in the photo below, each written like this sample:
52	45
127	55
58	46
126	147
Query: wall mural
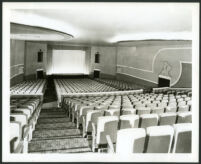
157	60
166	69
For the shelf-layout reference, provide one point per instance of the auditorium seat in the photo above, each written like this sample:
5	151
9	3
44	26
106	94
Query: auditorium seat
91	116
159	139
151	105
170	109
112	112
184	117
129	121
126	111
187	98
101	107
128	105
25	128
162	104
143	110
147	120
158	110
128	141
167	118
113	106
16	144
183	108
31	119
106	125
182	138
181	103
81	112
139	104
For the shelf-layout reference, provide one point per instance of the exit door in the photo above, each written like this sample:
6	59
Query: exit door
96	74
40	74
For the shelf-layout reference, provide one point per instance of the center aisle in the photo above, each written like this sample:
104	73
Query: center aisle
54	132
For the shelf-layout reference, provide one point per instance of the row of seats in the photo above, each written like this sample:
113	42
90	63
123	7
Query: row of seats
28	87
86	111
154	139
176	91
130	104
121	85
81	86
133	120
24	113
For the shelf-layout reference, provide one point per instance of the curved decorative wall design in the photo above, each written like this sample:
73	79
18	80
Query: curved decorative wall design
175	57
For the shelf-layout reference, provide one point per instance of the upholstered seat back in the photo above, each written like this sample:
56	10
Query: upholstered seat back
182	138
159	139
106	125
147	120
167	118
184	117
130	141
129	121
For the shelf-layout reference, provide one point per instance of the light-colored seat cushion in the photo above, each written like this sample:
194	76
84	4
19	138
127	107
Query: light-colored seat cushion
143	110
167	118
159	139
182	138
129	121
130	141
147	120
106	125
158	110
112	112
184	117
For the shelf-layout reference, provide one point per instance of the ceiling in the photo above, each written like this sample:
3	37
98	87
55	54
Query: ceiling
104	23
24	32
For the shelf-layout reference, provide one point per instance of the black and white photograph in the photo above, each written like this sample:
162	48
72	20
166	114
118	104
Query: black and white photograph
100	82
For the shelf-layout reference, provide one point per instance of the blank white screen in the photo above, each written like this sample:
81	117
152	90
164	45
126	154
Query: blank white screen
68	62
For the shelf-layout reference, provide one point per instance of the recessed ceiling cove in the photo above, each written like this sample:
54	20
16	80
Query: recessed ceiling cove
109	23
25	32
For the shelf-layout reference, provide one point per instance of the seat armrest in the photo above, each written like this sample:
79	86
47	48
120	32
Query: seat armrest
19	148
26	131
12	144
93	137
83	126
93	129
110	144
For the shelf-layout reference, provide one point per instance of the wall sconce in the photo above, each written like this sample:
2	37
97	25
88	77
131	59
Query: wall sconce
97	57
40	56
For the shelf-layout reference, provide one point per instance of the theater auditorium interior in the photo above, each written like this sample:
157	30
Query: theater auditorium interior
107	78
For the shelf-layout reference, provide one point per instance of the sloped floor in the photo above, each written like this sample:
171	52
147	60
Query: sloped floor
55	133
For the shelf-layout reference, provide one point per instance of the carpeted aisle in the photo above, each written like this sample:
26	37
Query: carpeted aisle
55	133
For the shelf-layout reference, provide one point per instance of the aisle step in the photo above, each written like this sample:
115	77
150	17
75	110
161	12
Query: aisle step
56	125
52	120
58	144
55	133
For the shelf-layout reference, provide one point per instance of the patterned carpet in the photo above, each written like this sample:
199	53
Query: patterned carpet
54	133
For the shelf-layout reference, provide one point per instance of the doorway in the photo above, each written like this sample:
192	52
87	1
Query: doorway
96	73
39	74
163	82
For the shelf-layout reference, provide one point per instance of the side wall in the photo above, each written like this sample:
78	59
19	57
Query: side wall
107	65
17	51
31	64
143	63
